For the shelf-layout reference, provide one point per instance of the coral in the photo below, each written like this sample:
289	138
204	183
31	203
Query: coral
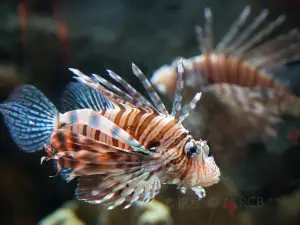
154	213
62	216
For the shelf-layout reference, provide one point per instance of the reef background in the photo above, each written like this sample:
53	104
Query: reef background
93	36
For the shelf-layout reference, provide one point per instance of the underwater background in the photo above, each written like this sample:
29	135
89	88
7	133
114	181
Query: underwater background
40	39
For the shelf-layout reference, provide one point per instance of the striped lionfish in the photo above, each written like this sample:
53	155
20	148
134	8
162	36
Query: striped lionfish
241	58
119	144
237	78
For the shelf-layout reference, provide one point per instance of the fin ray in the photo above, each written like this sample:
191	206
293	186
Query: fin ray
132	91
112	97
80	96
176	109
114	191
84	156
234	29
151	91
115	176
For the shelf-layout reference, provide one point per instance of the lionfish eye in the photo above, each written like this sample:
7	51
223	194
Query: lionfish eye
193	149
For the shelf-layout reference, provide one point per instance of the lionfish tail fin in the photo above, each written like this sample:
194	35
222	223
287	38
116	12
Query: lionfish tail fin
30	118
108	174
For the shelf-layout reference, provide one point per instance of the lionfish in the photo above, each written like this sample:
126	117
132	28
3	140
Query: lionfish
242	57
120	145
237	78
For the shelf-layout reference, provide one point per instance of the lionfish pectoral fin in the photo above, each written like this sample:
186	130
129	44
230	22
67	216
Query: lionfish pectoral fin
79	155
107	174
236	96
80	96
30	117
253	107
125	189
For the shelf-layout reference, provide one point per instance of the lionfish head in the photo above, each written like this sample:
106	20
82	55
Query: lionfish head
205	172
165	77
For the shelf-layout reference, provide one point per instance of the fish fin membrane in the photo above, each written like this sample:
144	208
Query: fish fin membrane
125	189
108	174
80	96
254	108
30	118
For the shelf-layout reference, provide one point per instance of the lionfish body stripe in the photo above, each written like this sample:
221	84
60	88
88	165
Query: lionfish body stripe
119	144
142	126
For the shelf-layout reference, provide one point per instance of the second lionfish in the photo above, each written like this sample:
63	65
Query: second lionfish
119	144
243	57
